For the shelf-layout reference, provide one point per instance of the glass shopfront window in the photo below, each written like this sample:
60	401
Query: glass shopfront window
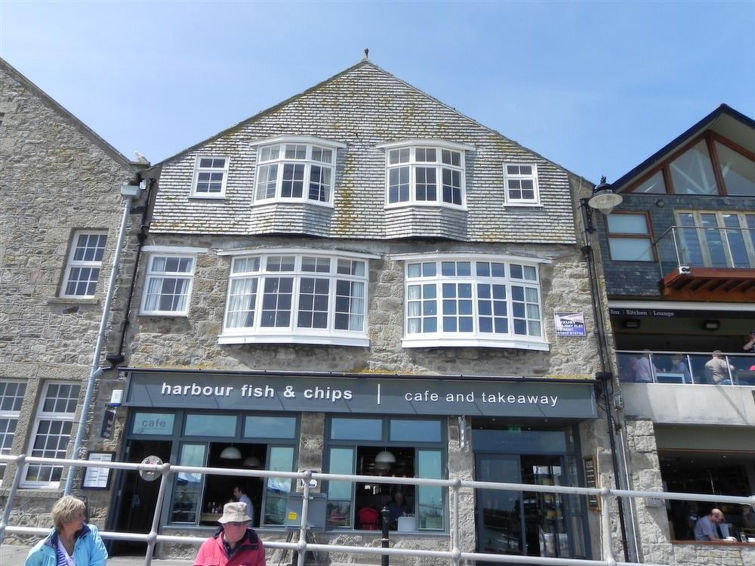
216	440
385	447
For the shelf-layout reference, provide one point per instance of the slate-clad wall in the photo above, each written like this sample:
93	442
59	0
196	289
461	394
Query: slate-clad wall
640	278
362	108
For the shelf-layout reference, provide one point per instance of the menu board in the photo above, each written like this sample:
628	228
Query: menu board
96	477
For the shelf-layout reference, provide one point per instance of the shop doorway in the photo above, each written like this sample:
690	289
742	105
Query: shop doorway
516	522
137	498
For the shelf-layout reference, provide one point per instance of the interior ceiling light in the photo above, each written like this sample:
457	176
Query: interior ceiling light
230	453
385	457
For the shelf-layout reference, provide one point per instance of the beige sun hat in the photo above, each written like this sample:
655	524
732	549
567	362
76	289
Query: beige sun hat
234	513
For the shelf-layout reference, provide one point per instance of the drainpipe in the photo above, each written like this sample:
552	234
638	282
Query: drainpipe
605	378
129	192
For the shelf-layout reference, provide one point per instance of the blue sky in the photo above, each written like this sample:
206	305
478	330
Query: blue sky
594	86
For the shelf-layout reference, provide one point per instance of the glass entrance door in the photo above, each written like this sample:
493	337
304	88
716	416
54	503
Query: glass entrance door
515	522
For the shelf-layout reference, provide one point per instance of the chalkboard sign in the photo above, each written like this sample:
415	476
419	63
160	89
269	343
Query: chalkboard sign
593	501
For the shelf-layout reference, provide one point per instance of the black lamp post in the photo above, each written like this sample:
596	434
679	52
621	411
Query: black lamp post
604	199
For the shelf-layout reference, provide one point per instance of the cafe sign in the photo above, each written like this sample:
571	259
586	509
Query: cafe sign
383	395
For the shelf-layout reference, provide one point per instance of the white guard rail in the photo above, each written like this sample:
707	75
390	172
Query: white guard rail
452	556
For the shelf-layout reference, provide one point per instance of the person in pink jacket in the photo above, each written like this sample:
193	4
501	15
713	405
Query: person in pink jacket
235	543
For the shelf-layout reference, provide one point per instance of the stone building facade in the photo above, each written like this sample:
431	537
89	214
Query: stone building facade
363	237
59	222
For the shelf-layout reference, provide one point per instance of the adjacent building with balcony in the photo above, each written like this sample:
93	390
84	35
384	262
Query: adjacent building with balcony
678	256
362	280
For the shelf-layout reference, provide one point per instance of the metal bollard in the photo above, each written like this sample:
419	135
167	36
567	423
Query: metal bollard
386	516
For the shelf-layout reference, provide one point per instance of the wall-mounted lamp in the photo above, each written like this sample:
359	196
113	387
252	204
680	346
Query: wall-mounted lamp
604	198
711	325
632	323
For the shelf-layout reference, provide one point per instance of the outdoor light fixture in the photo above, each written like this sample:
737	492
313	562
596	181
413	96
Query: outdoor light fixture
385	457
604	198
632	323
711	325
230	453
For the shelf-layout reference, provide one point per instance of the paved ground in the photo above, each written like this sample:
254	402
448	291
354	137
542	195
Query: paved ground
11	555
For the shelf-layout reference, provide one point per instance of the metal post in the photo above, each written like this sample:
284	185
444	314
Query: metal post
152	537
11	494
385	514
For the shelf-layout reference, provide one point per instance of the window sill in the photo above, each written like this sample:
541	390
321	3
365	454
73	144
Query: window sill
321	340
474	343
424	204
165	314
292	201
207	197
523	205
72	301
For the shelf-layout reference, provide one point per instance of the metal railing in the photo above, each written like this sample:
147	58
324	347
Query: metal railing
454	555
694	246
647	366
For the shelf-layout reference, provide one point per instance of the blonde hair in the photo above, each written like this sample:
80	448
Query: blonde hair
66	509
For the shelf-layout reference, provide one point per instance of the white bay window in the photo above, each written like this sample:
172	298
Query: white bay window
296	169
486	302
299	297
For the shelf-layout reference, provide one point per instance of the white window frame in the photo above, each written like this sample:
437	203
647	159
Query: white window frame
199	169
43	416
153	275
530	285
413	150
519	176
272	153
83	264
11	415
262	267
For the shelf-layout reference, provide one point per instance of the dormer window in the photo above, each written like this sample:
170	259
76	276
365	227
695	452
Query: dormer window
520	181
210	174
302	169
425	173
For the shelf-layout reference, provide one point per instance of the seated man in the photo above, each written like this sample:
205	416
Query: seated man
705	528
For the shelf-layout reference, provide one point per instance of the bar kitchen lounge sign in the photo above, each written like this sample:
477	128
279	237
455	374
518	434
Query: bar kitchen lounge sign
386	395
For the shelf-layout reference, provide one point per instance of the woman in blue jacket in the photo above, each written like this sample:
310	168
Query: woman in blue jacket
72	542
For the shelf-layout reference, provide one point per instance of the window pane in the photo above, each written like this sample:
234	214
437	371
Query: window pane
341	462
210	425
187	488
738	171
627	223
356	429
692	172
422	431
153	424
654	185
277	489
268	427
630	249
429	498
